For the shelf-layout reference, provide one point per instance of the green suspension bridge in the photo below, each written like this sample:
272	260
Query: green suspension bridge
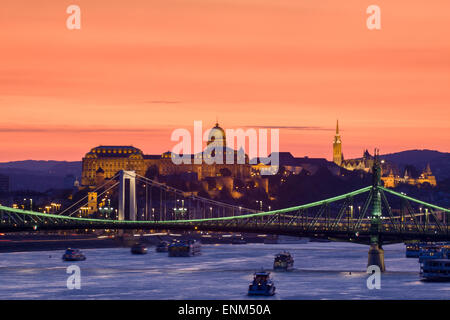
373	215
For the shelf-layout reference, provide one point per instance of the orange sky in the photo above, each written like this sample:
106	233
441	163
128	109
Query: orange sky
139	69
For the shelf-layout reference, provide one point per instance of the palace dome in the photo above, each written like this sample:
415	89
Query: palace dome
217	136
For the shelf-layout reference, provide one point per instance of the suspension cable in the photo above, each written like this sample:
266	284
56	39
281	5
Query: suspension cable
99	195
182	193
98	188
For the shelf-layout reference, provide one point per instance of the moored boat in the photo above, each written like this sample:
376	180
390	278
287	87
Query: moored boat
73	255
433	252
262	285
435	270
412	250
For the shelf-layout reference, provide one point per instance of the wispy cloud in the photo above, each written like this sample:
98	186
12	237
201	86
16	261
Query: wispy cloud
162	102
82	129
300	128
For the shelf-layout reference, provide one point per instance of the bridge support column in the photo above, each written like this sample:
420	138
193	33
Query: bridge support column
127	195
376	253
376	257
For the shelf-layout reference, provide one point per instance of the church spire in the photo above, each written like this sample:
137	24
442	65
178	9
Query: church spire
337	137
428	169
337	147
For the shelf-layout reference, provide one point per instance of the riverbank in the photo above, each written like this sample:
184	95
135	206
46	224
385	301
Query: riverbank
21	243
49	242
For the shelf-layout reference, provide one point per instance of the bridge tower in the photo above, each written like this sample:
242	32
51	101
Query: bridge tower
376	253
127	195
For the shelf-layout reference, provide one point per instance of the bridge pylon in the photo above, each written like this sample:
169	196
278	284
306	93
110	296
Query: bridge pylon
127	195
376	252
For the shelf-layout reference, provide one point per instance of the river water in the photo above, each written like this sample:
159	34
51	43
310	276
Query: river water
322	271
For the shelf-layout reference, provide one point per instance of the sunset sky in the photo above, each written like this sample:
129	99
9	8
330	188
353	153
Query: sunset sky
138	69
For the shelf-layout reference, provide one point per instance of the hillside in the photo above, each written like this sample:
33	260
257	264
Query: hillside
39	175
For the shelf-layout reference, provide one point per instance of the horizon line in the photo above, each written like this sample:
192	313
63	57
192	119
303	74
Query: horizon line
50	160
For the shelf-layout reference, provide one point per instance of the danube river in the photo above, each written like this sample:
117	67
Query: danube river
322	271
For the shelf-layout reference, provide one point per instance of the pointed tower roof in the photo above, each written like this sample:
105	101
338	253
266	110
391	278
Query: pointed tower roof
406	173
428	169
337	137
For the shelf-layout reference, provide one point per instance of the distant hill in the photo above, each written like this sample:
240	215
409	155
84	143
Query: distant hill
439	161
39	175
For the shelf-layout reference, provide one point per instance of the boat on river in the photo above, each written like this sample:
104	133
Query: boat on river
184	248
262	285
283	261
73	255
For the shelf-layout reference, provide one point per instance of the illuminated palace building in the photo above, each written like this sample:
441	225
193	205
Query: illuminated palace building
104	162
426	177
365	163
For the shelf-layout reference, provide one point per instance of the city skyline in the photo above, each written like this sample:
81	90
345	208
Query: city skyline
133	74
328	155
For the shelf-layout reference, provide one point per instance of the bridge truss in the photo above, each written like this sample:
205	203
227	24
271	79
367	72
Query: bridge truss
347	217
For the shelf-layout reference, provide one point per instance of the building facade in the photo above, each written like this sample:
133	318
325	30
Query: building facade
425	178
366	163
104	162
108	160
